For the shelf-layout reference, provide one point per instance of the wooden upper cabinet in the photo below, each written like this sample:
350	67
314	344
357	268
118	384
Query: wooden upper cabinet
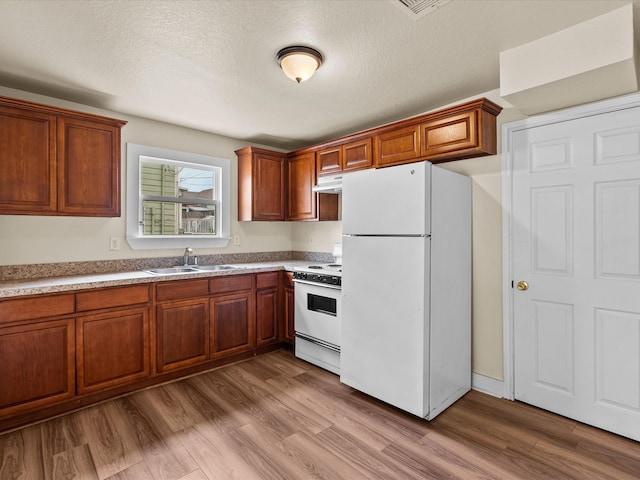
27	161
354	155
460	134
58	162
357	155
399	145
89	168
301	179
261	185
329	160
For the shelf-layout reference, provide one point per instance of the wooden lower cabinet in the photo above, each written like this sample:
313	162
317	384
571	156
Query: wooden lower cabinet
288	307
182	334
233	324
112	349
62	351
267	308
37	365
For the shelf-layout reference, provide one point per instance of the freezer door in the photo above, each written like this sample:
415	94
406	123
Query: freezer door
387	201
385	322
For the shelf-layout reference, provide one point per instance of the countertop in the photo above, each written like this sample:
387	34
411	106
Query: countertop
100	280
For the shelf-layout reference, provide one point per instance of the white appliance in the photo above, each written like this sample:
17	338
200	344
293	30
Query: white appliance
317	313
406	286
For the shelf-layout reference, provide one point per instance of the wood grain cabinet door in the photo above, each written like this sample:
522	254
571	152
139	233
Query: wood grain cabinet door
88	168
27	162
301	179
288	307
233	324
397	146
37	365
329	160
112	349
182	334
357	155
267	308
457	133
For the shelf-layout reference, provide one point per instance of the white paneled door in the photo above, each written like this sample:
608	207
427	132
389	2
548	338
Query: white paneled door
576	244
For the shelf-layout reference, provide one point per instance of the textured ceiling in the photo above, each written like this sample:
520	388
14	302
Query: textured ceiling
210	65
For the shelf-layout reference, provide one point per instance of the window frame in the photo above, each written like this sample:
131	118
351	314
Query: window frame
134	211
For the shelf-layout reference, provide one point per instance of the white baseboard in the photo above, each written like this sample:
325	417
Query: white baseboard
487	385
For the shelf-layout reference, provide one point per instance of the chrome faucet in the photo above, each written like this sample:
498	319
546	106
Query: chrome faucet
185	257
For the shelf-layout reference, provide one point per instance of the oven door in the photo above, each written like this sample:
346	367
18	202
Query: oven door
317	313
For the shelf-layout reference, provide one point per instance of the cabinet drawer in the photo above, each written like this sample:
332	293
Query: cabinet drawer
230	283
266	280
182	289
112	297
18	309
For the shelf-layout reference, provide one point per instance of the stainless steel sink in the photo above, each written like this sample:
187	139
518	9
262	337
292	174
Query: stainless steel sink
191	269
210	268
172	270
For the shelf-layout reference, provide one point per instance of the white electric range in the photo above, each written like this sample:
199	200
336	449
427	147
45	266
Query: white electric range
317	323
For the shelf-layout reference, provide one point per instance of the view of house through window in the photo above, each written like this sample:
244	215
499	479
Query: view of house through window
178	198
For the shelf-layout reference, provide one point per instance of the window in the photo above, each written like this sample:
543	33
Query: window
176	199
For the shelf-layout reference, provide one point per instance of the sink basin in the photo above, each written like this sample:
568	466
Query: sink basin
210	268
191	269
171	270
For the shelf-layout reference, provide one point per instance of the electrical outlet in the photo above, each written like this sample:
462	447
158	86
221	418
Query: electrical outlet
114	243
311	240
236	239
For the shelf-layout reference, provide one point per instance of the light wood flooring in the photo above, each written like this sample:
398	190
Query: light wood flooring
276	417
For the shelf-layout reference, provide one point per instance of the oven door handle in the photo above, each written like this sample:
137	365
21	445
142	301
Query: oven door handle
329	346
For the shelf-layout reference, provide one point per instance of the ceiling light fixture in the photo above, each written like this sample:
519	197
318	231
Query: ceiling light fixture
299	63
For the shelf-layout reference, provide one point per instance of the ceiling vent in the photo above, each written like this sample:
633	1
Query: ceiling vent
419	8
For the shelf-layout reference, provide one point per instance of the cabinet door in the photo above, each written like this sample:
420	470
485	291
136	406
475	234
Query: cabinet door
112	349
329	161
289	306
456	134
397	146
261	192
88	168
357	155
302	178
267	308
233	324
27	162
36	365
182	334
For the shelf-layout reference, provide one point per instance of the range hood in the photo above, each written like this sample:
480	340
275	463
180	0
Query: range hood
329	185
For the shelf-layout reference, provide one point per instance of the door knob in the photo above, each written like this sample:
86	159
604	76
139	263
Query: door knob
522	285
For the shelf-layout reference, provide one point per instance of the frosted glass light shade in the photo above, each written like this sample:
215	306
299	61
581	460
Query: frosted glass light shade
299	63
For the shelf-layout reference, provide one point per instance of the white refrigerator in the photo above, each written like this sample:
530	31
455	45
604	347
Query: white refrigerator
406	286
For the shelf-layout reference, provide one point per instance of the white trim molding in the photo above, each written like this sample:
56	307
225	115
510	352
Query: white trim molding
487	385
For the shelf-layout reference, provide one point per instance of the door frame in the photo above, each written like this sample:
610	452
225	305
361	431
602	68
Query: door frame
508	130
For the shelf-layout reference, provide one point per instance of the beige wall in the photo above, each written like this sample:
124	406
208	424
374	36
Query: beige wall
28	240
